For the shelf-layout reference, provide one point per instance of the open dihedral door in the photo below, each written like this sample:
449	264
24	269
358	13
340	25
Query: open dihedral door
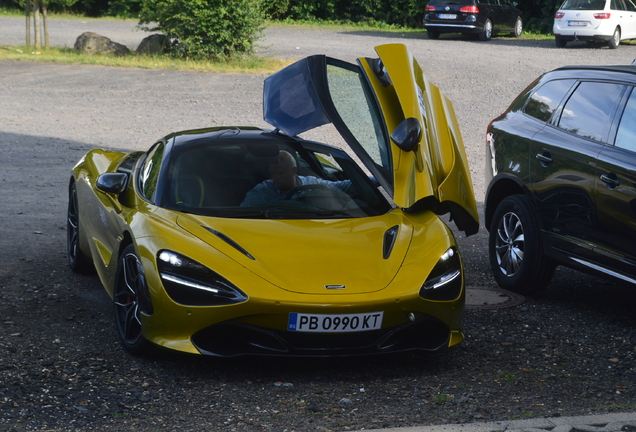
399	125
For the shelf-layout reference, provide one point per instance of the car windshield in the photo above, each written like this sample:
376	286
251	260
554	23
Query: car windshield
285	180
584	4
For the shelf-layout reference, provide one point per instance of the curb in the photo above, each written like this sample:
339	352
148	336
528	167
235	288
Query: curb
625	422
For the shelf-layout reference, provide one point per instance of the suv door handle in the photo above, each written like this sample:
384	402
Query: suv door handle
610	180
545	158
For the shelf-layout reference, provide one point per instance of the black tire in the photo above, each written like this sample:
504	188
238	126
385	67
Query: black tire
615	41
432	34
486	34
129	281
77	260
518	31
515	248
560	42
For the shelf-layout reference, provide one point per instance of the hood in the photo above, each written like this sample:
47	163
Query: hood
334	256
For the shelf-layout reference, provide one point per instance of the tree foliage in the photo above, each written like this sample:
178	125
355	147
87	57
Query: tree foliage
538	15
406	13
205	28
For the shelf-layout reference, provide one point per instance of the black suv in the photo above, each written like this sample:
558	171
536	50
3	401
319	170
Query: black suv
561	167
482	18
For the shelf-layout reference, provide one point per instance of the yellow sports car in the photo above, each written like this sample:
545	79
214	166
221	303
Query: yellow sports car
229	241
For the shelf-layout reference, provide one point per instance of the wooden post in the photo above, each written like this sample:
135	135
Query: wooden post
46	23
28	22
36	24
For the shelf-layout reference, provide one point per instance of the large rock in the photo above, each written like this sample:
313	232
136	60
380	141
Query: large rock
91	43
154	44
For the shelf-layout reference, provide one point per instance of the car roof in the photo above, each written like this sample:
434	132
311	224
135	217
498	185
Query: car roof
626	72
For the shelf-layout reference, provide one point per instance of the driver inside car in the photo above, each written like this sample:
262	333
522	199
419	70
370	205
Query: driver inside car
284	179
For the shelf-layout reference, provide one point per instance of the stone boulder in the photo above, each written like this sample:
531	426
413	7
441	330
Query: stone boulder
154	44
91	43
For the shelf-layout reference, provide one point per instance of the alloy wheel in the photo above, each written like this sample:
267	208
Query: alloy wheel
510	244
129	284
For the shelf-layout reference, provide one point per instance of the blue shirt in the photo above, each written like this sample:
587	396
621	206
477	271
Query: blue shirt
267	191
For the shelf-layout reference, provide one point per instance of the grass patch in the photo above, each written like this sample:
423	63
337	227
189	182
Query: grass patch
442	398
507	376
252	64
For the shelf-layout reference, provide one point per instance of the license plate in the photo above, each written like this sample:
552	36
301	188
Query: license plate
335	323
577	23
447	16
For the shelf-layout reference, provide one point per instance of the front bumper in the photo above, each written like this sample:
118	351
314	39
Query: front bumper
233	338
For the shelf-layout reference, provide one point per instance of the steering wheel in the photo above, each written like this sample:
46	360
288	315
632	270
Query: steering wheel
320	196
298	189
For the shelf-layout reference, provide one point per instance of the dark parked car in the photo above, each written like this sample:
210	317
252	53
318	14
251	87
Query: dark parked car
561	167
481	18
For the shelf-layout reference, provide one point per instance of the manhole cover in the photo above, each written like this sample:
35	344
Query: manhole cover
478	297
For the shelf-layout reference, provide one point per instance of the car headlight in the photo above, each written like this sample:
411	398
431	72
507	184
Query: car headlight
444	283
190	283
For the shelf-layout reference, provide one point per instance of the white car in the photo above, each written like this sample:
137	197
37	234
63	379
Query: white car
595	21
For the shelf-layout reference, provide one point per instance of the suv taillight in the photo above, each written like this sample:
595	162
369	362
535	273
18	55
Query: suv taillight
470	9
429	8
604	15
559	15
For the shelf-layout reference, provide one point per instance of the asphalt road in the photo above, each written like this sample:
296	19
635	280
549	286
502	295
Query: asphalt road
51	114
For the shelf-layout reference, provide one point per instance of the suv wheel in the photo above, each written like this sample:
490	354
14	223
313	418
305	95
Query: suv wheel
432	34
486	34
518	28
516	254
615	41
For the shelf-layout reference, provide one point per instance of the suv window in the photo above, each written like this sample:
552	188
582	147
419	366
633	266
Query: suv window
545	100
589	110
626	135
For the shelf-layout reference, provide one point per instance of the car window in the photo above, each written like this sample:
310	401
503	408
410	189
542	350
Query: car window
626	135
150	171
454	2
583	4
253	180
545	100
359	112
589	110
630	6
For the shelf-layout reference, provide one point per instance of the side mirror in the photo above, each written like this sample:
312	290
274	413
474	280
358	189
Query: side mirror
114	183
407	134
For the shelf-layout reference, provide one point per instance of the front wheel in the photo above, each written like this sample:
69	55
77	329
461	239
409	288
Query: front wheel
77	260
486	34
518	28
130	283
615	41
515	248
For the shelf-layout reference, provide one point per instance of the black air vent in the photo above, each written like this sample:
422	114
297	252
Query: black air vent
389	240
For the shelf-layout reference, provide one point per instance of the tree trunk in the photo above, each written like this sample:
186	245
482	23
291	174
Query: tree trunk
36	24
46	24
28	23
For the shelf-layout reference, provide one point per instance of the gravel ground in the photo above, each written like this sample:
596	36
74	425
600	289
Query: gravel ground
569	352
